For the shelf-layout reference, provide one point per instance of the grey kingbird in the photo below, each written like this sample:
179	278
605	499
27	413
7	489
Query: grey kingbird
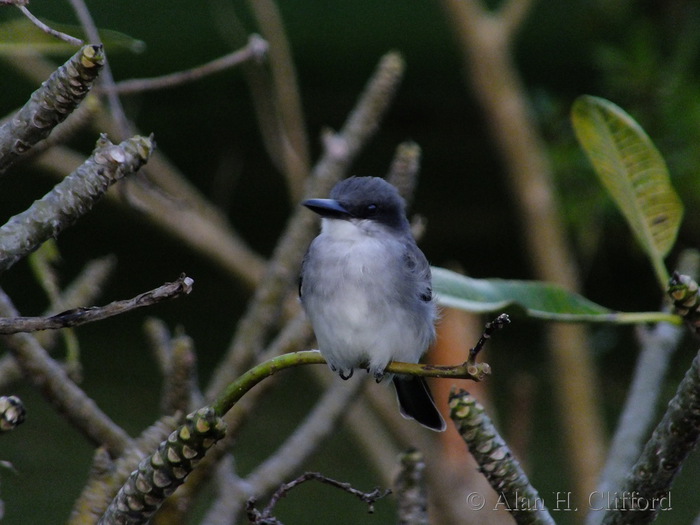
366	288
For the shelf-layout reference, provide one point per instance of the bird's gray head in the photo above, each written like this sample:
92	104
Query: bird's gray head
363	198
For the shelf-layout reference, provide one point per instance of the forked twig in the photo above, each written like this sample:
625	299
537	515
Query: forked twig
265	517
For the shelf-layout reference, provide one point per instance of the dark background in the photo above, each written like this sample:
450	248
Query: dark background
641	55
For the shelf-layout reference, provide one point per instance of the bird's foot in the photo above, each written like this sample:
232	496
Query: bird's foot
345	377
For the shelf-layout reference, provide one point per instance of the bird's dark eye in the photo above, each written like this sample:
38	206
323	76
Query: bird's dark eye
371	209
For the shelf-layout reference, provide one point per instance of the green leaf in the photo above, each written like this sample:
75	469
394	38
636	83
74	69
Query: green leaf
533	299
634	174
19	35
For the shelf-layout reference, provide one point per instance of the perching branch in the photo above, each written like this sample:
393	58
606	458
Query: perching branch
80	316
238	388
50	104
265	517
72	197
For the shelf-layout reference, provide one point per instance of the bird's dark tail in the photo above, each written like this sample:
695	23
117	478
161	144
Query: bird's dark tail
416	402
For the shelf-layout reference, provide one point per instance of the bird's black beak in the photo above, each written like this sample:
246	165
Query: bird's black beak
329	208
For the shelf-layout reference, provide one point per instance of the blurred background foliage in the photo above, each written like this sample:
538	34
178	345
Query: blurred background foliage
642	55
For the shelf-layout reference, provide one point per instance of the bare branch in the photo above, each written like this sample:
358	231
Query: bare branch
255	50
46	29
265	517
80	316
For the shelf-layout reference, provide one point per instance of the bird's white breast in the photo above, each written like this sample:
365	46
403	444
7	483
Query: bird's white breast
355	294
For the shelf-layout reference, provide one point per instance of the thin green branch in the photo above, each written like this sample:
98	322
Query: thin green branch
50	104
238	388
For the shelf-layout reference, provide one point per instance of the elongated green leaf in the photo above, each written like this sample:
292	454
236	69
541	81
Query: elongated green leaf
633	172
531	299
19	35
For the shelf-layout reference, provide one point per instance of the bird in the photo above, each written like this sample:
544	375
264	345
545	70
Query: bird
366	288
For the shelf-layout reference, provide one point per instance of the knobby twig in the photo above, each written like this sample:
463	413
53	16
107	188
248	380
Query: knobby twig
71	198
496	461
294	335
180	390
50	104
48	30
256	50
80	316
265	517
